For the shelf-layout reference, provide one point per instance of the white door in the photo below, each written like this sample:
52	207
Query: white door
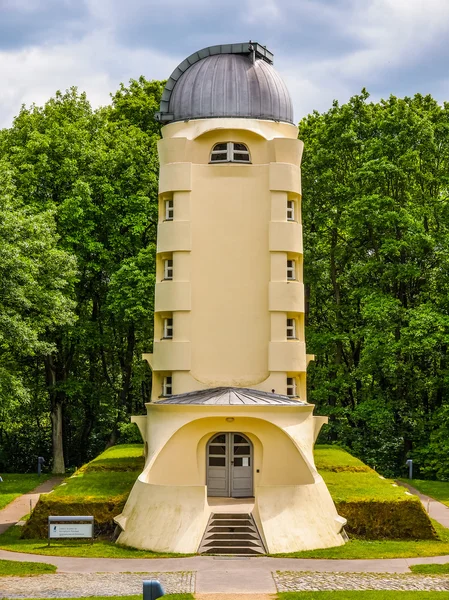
229	466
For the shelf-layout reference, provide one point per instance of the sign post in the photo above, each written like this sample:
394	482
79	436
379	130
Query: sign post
70	528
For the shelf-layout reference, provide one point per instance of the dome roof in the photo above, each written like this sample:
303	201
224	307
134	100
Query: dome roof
236	80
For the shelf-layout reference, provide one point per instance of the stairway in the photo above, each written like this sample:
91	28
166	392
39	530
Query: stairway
231	533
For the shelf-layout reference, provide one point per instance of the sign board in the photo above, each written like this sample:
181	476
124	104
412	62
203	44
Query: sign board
72	530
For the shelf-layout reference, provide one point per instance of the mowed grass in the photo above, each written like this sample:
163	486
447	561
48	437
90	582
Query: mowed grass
334	458
10	540
125	457
431	569
358	548
364	595
435	489
112	474
350	480
15	484
12	568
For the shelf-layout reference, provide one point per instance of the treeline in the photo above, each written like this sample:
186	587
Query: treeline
376	230
78	219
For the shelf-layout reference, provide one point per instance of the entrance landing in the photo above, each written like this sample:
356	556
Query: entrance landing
230	505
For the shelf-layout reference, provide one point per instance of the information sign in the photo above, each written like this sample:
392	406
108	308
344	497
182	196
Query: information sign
72	530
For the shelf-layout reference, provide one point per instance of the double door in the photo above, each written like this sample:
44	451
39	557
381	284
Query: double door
229	466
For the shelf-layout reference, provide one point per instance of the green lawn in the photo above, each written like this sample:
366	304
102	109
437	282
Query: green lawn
11	568
365	595
431	569
98	485
333	458
435	489
382	548
347	486
10	540
124	457
15	485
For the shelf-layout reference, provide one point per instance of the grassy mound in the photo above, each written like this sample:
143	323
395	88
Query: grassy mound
99	488
375	508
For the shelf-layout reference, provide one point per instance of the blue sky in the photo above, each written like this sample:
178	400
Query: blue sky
324	49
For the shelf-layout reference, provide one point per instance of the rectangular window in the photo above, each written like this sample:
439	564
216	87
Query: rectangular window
291	329
290	210
291	270
167	386
291	386
169	210
168	268
168	329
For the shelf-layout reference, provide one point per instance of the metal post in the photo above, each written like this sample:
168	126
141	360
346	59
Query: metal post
152	590
409	464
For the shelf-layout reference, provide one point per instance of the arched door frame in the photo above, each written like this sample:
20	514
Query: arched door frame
229	465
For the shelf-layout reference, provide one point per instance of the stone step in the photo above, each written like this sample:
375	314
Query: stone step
228	535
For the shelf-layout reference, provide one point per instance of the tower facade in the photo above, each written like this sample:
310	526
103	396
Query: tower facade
229	307
229	417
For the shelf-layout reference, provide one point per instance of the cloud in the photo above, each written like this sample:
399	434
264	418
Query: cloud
324	49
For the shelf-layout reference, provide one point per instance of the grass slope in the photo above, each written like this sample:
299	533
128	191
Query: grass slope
99	488
375	507
14	485
12	568
430	569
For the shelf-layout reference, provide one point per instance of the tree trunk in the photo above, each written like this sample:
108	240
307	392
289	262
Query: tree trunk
56	436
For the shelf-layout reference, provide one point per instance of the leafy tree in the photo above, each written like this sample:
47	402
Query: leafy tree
376	266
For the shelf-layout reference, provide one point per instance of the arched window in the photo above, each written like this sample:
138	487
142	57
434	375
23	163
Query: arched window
230	152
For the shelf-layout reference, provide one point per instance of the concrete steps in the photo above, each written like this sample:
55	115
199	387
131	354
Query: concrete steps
231	533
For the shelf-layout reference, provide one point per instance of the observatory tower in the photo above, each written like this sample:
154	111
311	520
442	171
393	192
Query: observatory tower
229	417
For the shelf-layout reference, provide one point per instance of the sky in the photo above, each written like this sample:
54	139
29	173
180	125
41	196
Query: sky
324	49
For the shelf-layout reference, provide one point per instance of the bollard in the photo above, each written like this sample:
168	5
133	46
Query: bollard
409	464
152	589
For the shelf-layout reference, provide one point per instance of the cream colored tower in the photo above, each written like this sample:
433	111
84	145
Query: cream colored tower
233	296
229	416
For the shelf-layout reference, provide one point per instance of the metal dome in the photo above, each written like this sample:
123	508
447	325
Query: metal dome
236	80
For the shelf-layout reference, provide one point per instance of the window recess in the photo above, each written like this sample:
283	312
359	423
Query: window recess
230	152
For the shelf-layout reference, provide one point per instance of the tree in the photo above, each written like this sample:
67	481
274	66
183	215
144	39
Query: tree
376	264
97	172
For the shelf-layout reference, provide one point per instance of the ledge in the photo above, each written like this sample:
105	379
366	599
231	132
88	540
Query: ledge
173	236
285	237
289	357
175	177
286	296
172	295
285	178
171	356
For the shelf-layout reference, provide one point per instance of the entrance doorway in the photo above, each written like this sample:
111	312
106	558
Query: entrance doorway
229	467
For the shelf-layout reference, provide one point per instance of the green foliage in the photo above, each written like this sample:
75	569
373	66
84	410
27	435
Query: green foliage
14	485
376	232
84	184
10	568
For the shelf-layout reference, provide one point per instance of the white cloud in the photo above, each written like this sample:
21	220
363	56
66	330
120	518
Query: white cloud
95	64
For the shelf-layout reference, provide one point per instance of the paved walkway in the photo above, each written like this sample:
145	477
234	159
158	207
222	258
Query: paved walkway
436	510
20	507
